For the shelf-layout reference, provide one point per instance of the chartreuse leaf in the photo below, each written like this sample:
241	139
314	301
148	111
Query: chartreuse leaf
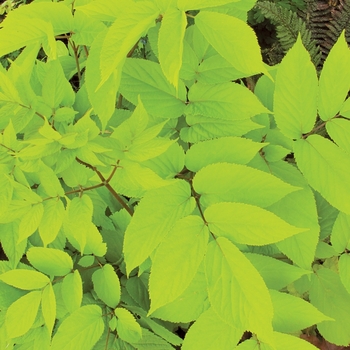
236	290
247	224
133	179
228	101
177	260
325	166
295	98
137	142
58	14
155	215
339	130
292	314
329	295
79	213
211	332
145	78
190	304
102	10
102	100
33	31
275	273
233	39
21	314
215	70
52	220
6	190
9	238
340	237
206	128
85	28
107	285
48	307
186	5
56	89
170	43
127	327
225	149
344	270
30	221
298	209
80	330
72	291
224	182
134	22
334	79
345	109
25	279
169	163
53	262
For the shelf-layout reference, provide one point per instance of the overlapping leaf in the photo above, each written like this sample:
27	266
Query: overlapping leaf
124	33
177	260
233	39
146	79
329	295
211	332
334	80
156	213
325	166
295	98
225	182
247	224
170	43
238	294
225	149
227	101
80	330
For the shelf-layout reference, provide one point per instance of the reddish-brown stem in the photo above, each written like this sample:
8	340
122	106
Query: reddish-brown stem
105	182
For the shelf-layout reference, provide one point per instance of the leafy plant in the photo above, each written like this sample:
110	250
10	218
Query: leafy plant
147	191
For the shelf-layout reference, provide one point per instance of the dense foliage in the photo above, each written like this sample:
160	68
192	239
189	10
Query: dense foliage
150	188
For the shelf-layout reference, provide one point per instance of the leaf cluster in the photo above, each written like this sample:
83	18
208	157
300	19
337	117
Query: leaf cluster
145	188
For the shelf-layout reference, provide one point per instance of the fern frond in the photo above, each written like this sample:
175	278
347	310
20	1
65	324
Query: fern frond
288	25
